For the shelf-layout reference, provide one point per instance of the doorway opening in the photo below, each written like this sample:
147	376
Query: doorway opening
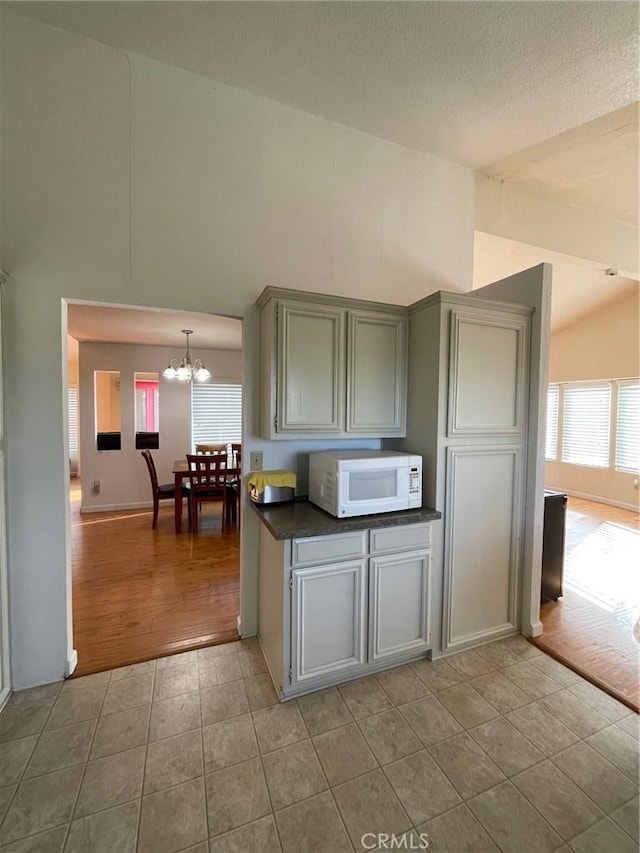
140	592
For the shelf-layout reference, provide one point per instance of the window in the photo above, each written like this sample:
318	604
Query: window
107	409
147	389
216	413
628	428
551	444
72	398
586	425
597	424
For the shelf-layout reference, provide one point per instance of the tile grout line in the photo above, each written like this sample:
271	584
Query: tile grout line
264	776
86	763
35	746
146	753
204	766
329	787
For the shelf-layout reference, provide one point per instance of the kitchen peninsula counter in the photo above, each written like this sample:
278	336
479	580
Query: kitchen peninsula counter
301	519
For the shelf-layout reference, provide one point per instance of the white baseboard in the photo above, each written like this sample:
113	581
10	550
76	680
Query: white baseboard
598	499
536	629
85	510
71	664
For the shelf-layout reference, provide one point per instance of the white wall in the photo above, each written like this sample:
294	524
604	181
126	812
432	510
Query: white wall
605	345
129	182
537	219
123	473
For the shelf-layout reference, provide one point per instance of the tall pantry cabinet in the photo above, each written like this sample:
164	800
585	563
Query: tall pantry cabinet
467	416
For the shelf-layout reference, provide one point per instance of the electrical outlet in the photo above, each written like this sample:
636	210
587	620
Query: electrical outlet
255	460
95	487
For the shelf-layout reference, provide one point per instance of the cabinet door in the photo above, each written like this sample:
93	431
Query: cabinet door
377	369
327	620
482	558
398	604
311	369
488	373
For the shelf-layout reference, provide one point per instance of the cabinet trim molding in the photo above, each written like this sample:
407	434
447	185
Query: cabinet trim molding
301	671
397	424
490	319
287	313
377	564
449	642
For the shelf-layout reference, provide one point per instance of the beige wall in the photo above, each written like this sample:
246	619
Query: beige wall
605	345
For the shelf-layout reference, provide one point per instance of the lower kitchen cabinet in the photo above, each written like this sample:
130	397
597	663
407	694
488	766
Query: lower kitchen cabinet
398	604
328	620
353	612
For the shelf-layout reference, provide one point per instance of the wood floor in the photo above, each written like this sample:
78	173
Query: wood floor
590	628
140	593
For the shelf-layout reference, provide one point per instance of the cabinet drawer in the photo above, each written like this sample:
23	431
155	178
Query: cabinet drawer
387	540
328	549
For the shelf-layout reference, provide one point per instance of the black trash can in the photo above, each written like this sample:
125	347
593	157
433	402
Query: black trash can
555	514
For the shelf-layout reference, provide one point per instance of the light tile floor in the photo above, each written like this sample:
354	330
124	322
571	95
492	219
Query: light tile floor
500	748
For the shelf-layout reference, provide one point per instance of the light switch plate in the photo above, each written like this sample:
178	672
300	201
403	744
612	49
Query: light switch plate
255	460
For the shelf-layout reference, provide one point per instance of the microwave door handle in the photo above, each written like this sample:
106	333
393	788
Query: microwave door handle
341	489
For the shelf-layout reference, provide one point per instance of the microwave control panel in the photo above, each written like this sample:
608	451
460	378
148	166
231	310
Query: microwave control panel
415	486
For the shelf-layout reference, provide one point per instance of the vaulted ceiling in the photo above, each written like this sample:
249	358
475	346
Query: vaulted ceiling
539	92
542	94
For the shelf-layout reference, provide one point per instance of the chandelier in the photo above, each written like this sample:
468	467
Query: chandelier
186	370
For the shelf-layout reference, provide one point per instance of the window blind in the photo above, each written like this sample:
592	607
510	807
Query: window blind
72	400
216	413
551	443
585	425
628	429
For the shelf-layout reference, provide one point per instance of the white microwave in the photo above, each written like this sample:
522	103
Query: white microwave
364	482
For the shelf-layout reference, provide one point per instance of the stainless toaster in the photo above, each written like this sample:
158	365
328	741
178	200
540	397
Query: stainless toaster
272	495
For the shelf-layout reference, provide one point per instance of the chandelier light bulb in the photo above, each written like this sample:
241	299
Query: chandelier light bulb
187	370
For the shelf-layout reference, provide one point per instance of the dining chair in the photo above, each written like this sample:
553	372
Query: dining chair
207	482
232	500
163	492
236	455
211	448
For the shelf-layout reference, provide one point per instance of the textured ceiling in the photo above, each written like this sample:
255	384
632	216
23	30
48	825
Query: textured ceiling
158	328
594	166
472	82
578	287
539	93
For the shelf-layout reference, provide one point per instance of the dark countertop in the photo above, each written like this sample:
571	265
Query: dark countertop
302	519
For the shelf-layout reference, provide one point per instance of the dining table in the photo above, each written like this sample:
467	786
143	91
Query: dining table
180	473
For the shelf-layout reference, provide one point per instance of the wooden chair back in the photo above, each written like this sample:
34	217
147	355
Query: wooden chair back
211	448
236	456
151	467
207	474
207	482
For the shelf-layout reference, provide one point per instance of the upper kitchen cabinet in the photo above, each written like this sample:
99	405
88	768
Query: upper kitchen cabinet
331	367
